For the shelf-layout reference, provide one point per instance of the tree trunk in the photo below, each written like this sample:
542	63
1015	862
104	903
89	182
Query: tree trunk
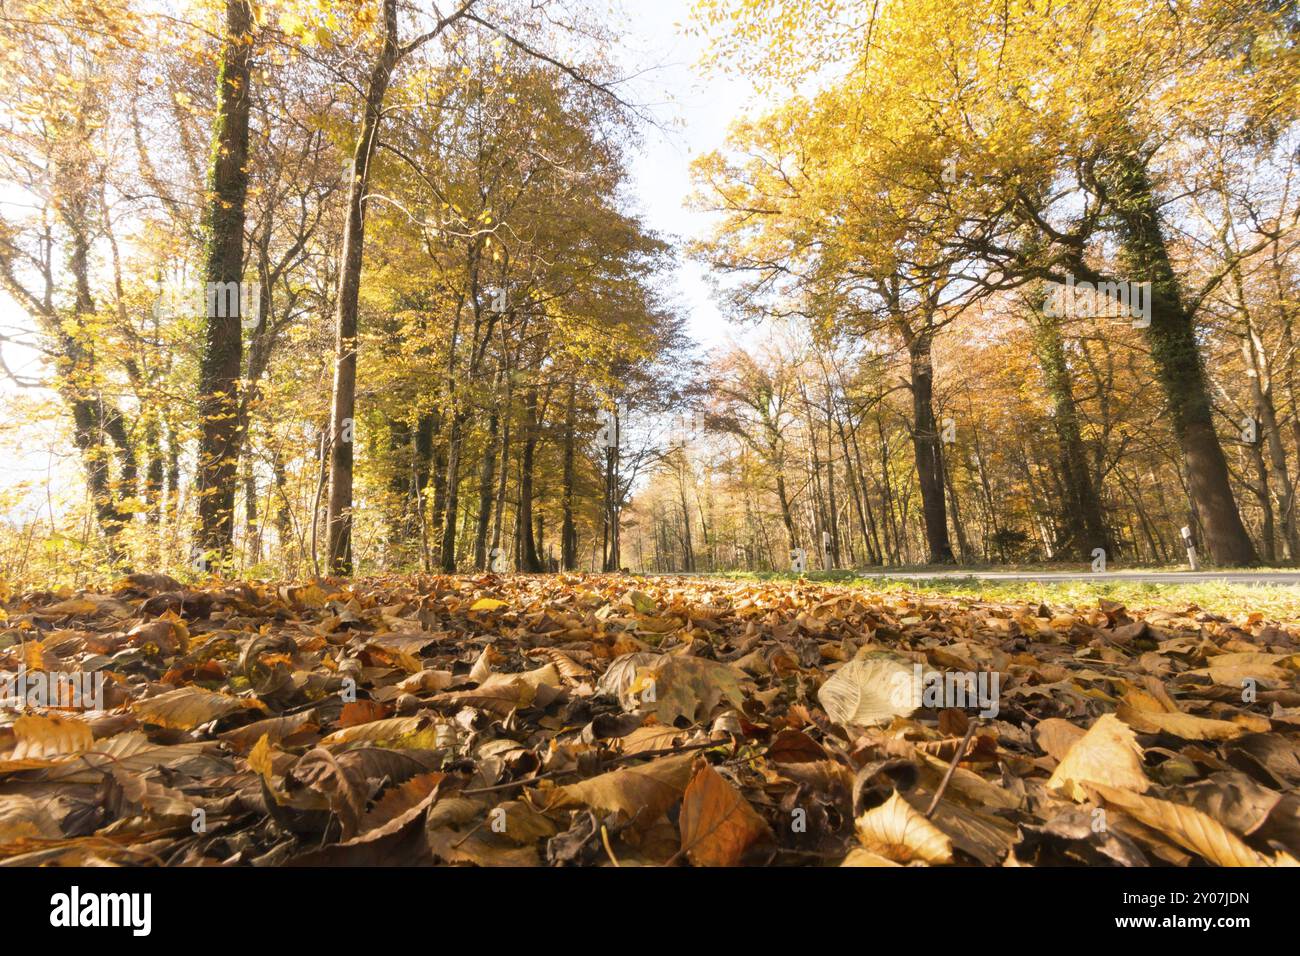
929	451
222	356
343	405
486	487
399	449
1180	367
893	539
528	556
1261	488
97	423
283	530
431	468
1260	376
963	544
252	526
1085	524
688	547
832	517
610	530
455	440
856	492
787	518
499	513
568	532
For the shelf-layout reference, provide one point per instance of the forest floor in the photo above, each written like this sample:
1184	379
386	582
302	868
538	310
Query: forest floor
1273	593
620	720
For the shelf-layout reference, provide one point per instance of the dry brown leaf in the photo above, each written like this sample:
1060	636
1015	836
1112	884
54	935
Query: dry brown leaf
654	737
275	728
1188	726
390	728
643	792
501	694
359	712
1108	753
187	707
426	681
718	825
1188	827
687	687
23	818
523	745
860	857
1056	736
396	801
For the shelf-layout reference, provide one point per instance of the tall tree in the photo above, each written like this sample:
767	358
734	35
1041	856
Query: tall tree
223	269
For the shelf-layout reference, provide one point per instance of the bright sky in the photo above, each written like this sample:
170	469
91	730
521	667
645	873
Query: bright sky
692	110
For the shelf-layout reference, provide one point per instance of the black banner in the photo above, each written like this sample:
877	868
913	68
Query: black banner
335	906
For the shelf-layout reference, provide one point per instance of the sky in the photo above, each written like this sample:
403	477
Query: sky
692	109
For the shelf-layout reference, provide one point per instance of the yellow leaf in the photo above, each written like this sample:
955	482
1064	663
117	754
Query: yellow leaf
1188	827
261	759
187	707
896	831
1189	726
1108	753
647	791
42	741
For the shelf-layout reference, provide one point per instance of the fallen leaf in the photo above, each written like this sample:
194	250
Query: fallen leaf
867	692
718	825
642	792
1108	753
1186	826
896	831
187	707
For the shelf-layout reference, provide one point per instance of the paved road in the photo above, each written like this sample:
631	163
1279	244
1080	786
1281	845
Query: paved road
1124	577
1277	578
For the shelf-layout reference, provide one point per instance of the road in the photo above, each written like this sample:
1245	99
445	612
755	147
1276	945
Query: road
1289	578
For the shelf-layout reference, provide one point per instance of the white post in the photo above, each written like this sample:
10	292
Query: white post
1191	549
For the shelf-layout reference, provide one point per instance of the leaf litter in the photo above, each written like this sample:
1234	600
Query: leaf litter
610	720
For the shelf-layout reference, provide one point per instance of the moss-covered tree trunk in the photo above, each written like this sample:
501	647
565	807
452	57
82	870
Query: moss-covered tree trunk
1180	367
222	357
1083	518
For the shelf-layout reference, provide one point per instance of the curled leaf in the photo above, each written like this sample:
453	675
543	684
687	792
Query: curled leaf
897	832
